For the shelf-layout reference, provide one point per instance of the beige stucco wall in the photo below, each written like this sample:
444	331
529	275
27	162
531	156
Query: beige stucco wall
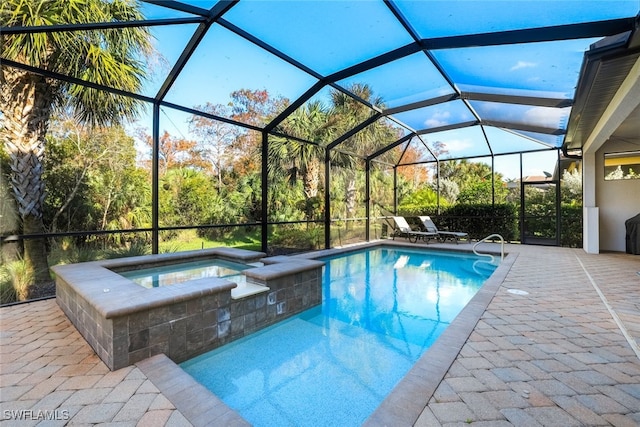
617	200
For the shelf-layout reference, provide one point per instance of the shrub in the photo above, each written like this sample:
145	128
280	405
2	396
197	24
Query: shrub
479	220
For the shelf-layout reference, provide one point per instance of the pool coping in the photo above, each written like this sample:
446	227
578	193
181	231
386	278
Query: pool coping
402	406
411	395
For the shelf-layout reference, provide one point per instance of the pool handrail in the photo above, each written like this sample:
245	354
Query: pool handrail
491	236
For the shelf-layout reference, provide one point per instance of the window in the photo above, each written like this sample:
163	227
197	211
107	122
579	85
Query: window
623	165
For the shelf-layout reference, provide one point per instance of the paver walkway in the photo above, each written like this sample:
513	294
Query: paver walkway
50	376
553	357
561	355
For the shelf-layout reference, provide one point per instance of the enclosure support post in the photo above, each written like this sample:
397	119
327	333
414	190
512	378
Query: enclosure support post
265	193
522	219
493	181
155	192
558	202
438	186
327	200
395	190
367	206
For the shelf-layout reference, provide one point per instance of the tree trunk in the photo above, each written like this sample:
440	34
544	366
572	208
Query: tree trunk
311	178
351	195
25	101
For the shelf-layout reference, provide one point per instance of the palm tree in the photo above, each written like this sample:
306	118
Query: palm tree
349	113
111	57
290	158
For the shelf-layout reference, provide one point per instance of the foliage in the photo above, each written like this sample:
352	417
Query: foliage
482	192
15	279
418	200
93	180
449	190
8	293
111	57
479	220
215	146
571	188
136	248
186	197
571	226
295	238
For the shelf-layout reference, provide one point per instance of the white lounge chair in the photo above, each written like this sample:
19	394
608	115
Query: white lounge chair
402	228
430	226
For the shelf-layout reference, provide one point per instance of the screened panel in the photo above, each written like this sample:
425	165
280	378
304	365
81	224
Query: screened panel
571	203
326	36
205	4
296	181
96	179
227	69
418	151
393	156
539	166
553	119
70	250
435	116
381	185
447	18
295	238
554	141
168	42
508	166
405	81
532	66
381	199
458	143
504	141
348	194
209	171
474	179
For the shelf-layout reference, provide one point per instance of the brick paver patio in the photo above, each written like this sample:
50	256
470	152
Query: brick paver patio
564	354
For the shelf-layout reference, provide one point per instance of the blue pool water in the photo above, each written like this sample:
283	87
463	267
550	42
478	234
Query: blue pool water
333	365
167	275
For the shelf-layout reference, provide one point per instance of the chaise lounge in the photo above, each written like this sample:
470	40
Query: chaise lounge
430	226
402	228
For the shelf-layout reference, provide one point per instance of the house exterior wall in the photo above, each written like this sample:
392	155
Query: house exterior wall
617	200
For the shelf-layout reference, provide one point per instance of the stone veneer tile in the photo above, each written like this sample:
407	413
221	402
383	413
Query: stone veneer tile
192	322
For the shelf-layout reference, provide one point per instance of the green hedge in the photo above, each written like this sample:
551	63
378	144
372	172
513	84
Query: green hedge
479	220
571	226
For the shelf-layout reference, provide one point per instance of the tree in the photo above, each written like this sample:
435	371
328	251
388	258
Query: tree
93	182
27	100
216	139
349	113
473	180
290	158
173	152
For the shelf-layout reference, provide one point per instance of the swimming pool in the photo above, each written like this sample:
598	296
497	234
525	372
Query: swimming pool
167	275
334	364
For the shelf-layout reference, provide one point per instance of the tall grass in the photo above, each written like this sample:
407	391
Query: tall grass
15	278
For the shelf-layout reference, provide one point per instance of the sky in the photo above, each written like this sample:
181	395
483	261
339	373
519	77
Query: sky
328	36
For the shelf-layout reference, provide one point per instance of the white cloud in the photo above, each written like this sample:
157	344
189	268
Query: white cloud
523	64
440	118
541	116
454	145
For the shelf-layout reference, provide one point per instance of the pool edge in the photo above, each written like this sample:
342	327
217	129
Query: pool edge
405	403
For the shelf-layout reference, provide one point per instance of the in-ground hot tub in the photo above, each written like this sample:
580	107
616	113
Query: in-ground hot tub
125	322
